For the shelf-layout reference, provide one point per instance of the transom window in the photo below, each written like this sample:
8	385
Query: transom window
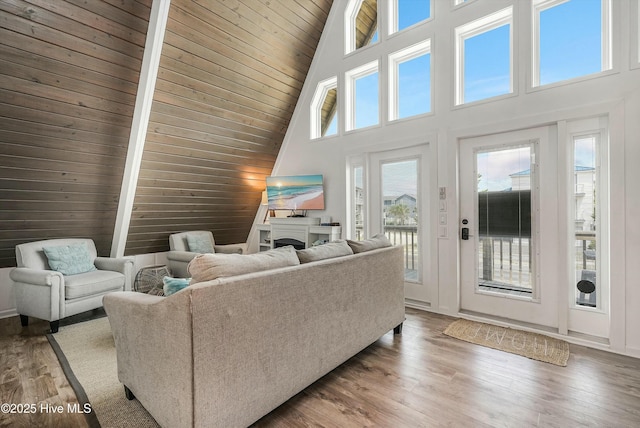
484	57
572	38
361	29
405	13
362	96
410	81
324	108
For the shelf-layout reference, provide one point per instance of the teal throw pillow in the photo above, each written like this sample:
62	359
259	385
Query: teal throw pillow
200	244
173	285
69	259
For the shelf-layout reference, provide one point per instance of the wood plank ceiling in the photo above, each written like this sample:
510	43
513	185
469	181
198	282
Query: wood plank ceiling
230	76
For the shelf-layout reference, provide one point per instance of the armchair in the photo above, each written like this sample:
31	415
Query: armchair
48	294
185	246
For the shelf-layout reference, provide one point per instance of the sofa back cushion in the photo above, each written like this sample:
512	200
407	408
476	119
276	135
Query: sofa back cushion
377	241
330	250
206	267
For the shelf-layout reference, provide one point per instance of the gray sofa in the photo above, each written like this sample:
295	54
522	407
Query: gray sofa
224	353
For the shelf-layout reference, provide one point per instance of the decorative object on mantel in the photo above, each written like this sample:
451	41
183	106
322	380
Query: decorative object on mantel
149	280
531	345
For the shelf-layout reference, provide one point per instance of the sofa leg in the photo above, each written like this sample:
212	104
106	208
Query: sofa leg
397	329
54	326
128	393
24	320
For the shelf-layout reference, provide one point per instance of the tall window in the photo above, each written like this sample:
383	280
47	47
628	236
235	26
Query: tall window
484	58
572	38
410	81
588	204
324	108
358	202
361	24
362	96
405	13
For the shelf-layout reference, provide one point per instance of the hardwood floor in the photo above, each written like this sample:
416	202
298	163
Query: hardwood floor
420	378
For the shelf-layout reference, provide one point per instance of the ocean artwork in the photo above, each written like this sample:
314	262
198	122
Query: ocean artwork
296	192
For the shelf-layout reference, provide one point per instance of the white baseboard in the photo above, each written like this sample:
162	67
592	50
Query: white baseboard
7	313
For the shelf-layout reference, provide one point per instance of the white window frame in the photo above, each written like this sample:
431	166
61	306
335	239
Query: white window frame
603	260
354	162
350	91
539	6
316	106
393	16
475	28
635	35
397	58
460	3
350	16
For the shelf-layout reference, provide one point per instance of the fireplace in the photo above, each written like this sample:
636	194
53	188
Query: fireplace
282	242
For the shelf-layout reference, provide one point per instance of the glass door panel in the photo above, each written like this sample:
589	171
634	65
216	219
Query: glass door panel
504	220
400	211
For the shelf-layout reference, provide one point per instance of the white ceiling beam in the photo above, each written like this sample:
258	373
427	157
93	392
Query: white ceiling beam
140	122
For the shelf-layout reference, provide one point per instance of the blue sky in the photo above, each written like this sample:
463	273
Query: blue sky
570	46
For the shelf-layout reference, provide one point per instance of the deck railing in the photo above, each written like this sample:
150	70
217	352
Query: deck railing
406	236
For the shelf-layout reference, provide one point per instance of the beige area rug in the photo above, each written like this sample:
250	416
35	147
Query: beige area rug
88	351
535	346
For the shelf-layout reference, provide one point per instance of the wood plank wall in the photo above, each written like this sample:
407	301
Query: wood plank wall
230	75
68	79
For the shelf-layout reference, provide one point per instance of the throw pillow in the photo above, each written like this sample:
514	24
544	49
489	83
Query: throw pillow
377	241
325	251
206	267
200	244
173	285
69	259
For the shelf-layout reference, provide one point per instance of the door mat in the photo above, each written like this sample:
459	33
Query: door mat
531	345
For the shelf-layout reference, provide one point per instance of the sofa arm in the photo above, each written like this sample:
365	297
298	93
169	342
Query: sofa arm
122	265
181	256
153	341
36	277
117	265
231	248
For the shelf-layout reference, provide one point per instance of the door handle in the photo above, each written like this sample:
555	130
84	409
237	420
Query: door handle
465	234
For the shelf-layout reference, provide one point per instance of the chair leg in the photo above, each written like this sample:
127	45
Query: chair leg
397	329
128	393
54	326
24	320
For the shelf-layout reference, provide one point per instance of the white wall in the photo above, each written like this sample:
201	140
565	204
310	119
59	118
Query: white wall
615	94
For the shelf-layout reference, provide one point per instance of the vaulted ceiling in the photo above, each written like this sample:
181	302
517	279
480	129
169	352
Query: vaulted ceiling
230	75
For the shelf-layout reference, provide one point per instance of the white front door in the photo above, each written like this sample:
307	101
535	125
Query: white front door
399	208
500	233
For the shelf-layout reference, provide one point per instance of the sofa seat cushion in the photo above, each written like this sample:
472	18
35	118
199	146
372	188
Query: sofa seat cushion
206	267
330	250
377	241
92	283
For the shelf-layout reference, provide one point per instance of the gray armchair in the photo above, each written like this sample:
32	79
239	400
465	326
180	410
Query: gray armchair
185	246
47	294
